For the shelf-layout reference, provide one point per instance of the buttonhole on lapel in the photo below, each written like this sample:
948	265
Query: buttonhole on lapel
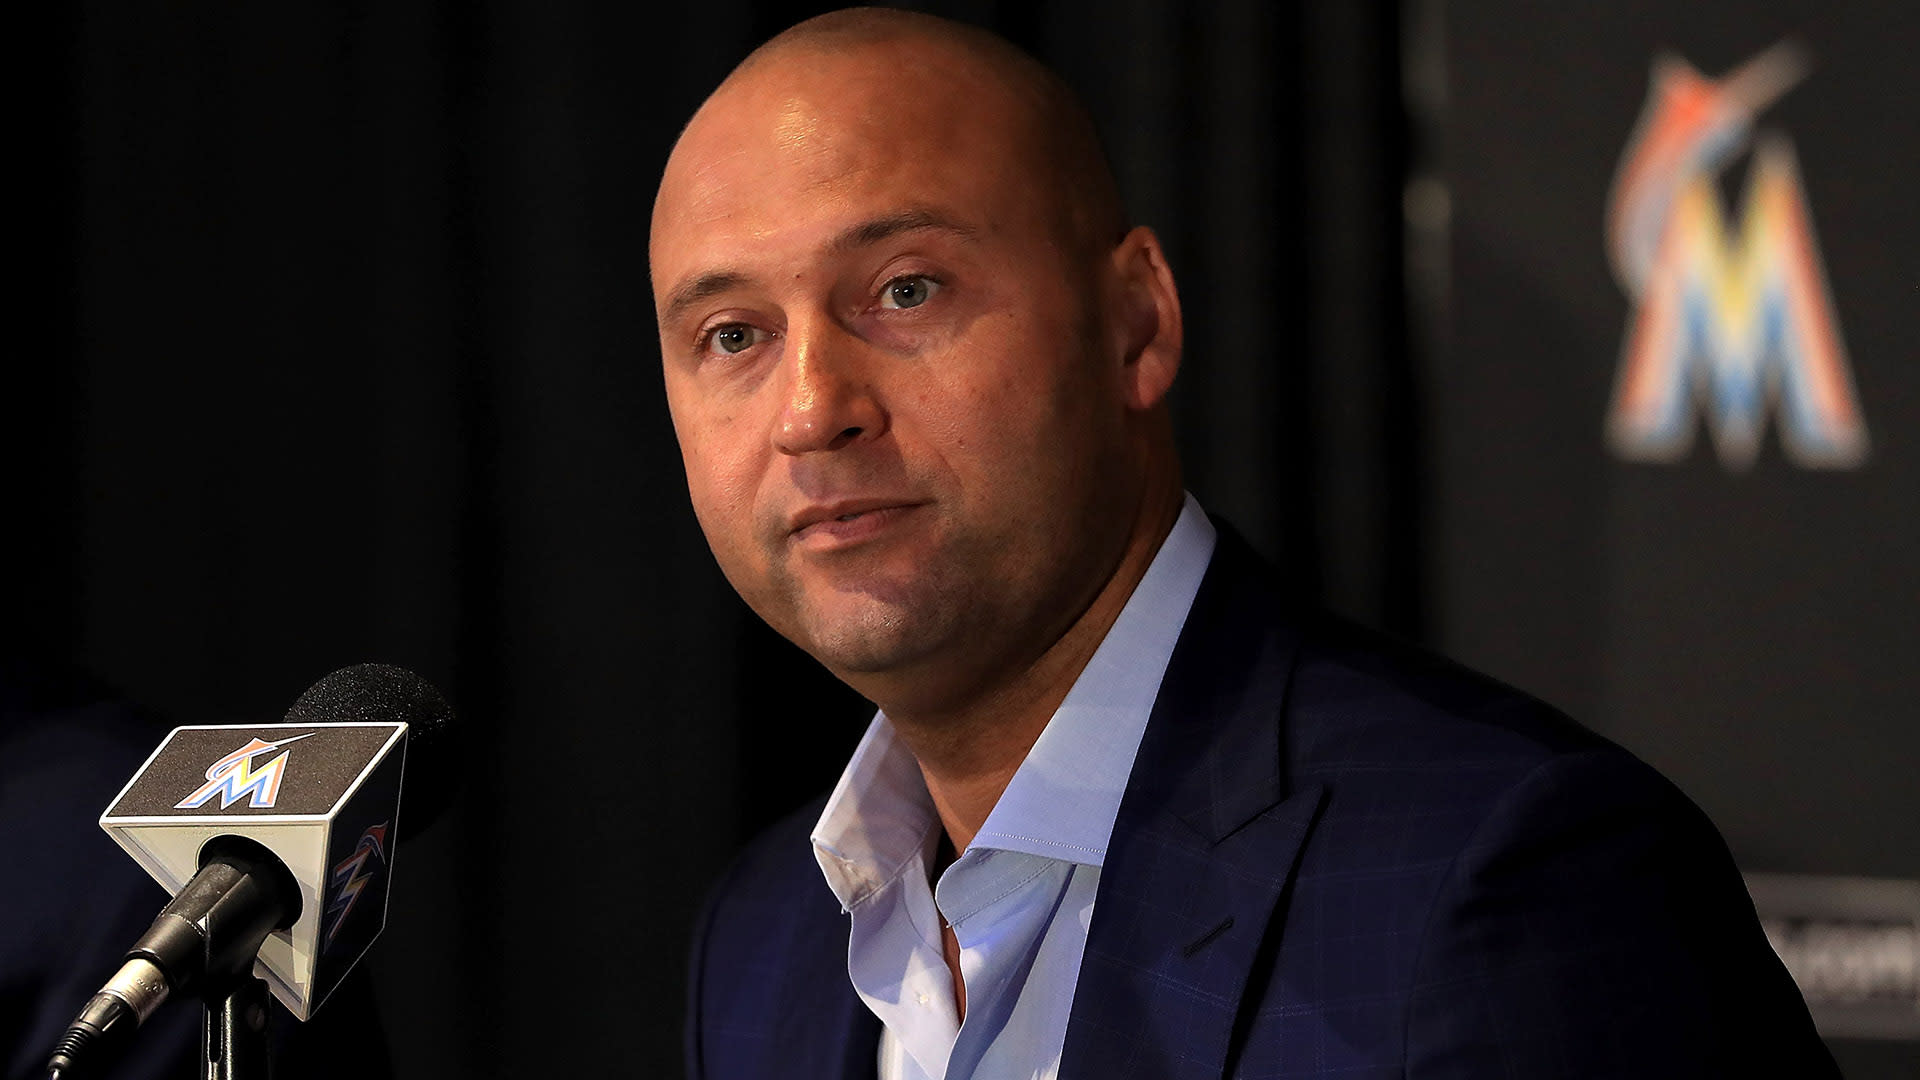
1206	939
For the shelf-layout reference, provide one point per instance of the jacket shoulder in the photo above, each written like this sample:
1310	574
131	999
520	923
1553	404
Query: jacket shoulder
1491	888
1360	695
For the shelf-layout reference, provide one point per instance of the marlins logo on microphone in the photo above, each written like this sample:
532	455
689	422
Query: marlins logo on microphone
305	792
233	777
1732	320
351	875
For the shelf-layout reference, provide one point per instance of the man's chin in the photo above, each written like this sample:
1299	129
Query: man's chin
872	639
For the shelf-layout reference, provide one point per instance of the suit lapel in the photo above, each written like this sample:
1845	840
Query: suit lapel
1203	848
825	1032
857	1043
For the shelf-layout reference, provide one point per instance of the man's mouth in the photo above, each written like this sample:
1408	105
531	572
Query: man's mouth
840	524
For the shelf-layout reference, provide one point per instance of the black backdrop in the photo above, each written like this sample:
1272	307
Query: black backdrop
352	357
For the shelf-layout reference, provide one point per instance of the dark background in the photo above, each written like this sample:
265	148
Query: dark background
348	354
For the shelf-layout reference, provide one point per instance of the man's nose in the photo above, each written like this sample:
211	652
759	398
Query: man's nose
830	401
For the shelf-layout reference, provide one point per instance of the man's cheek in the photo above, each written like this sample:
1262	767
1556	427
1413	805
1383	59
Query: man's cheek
713	462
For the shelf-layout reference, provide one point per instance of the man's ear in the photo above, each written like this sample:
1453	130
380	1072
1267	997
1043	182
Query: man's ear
1147	313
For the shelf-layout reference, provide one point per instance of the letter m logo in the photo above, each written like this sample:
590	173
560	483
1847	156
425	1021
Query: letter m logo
233	777
1730	319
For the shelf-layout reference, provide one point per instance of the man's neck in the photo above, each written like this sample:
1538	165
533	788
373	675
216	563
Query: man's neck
968	756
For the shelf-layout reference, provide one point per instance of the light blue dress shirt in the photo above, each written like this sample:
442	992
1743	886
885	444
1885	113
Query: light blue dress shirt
1020	898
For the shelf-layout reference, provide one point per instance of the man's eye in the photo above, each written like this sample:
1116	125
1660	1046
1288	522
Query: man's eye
734	338
908	292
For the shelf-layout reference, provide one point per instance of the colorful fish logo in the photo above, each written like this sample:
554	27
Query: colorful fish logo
233	777
1730	320
351	875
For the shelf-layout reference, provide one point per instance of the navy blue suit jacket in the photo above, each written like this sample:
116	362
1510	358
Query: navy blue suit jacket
1336	857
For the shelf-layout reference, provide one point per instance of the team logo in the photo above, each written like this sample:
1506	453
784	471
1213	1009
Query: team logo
351	875
233	777
1732	318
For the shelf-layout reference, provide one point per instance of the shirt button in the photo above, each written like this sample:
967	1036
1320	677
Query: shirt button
922	996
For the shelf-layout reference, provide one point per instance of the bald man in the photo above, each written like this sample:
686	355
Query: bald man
1122	812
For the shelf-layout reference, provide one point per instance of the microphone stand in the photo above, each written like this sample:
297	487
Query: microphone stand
234	1033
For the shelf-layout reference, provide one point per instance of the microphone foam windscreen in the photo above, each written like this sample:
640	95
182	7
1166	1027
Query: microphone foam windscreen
384	693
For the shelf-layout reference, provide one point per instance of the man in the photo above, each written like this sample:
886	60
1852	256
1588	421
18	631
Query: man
1122	813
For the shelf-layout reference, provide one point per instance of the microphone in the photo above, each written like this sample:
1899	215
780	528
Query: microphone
277	842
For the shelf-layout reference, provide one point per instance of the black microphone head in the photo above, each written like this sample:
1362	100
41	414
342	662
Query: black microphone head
382	693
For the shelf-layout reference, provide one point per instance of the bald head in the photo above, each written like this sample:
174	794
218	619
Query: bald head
928	63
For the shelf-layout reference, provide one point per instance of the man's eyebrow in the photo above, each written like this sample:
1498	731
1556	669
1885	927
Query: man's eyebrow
692	292
872	232
853	238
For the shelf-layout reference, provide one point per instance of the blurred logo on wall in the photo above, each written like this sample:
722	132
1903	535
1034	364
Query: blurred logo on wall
1731	315
1852	946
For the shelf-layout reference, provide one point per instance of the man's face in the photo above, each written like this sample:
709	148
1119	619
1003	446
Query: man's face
898	403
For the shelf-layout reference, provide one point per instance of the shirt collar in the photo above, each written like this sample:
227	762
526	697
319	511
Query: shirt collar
878	821
1062	801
